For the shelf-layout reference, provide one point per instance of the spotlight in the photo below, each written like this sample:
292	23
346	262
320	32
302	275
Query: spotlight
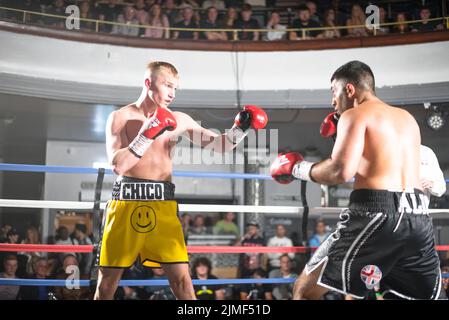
435	118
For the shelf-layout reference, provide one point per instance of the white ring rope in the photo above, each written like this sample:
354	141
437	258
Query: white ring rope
77	205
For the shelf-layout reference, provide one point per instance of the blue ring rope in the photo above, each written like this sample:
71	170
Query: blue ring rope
130	283
84	170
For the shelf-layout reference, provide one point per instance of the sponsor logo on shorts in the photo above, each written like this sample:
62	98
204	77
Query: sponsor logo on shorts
142	191
143	219
371	275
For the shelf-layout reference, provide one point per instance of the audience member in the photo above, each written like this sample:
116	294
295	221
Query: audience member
278	30
10	264
279	240
283	291
128	23
251	261
425	25
198	227
218	4
257	291
187	22
330	23
202	270
212	23
40	271
159	20
321	233
357	22
227	226
246	22
304	22
402	27
86	259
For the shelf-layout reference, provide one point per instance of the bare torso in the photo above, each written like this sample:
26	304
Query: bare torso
391	156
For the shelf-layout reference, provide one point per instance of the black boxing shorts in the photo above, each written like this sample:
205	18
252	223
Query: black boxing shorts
383	239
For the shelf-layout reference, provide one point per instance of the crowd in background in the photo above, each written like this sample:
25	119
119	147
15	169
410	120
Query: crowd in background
42	265
275	16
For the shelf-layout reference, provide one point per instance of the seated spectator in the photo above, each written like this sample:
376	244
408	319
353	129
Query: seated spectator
382	20
141	11
4	232
251	261
57	8
86	13
313	11
321	234
358	18
303	22
274	23
14	238
401	27
9	292
228	22
157	19
330	23
108	12
283	291
202	270
86	259
159	292
218	4
211	23
198	227
279	240
187	22
246	22
227	226
67	272
257	291
169	9
63	238
426	25
32	237
40	271
128	22
186	222
445	278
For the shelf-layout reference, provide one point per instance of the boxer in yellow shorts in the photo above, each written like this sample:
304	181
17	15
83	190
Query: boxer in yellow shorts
142	220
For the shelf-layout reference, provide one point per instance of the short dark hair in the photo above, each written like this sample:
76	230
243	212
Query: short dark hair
247	7
357	73
81	227
303	7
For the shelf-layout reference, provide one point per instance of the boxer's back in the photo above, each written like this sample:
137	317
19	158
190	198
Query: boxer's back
390	157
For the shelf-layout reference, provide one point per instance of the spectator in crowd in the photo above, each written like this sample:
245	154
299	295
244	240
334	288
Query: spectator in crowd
10	264
321	233
382	20
283	291
63	238
402	26
14	238
246	22
128	22
202	270
425	25
32	237
169	10
86	259
40	271
187	22
304	22
330	23
257	291
277	30
186	222
159	292
141	11
357	22
229	21
313	11
279	240
227	226
198	227
251	261
212	23
68	272
86	13
157	19
445	278
218	4
108	12
4	232
57	8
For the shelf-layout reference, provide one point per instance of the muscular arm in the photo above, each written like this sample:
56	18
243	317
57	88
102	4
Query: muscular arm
346	155
119	155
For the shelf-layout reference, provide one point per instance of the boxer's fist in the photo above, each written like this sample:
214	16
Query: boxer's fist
329	126
281	169
251	117
157	123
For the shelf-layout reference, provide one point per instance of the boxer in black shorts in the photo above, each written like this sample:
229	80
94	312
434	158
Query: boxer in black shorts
385	238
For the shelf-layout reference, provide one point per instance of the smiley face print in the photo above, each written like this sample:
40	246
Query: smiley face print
143	219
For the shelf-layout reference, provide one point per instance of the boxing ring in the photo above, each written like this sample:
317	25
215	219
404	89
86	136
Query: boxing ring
96	206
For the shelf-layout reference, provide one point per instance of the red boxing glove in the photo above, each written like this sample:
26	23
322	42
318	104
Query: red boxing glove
329	126
251	116
282	168
155	125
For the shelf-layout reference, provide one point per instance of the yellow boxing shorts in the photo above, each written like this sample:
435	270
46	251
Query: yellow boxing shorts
142	220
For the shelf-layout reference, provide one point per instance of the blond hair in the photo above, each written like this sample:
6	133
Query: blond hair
154	67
